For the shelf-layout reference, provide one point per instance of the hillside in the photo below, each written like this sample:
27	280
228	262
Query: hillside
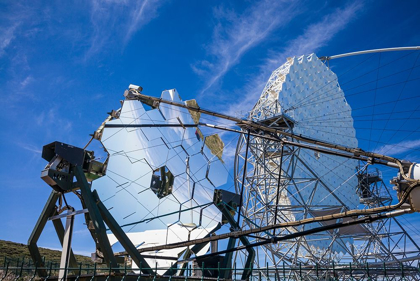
18	251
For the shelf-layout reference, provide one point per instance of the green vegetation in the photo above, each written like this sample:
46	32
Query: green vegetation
15	251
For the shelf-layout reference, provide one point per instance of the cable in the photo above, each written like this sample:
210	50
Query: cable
351	213
366	219
308	102
317	129
167	142
372	129
399	95
304	99
339	95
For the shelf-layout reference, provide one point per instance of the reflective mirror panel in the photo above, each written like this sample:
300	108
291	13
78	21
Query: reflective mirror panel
160	180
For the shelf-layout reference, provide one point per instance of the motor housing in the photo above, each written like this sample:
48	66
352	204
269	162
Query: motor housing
402	184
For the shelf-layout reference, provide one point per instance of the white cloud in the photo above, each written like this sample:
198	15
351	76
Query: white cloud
98	96
16	19
29	79
51	248
30	147
83	231
319	34
118	21
314	37
113	24
7	34
234	35
398	148
143	12
82	252
51	119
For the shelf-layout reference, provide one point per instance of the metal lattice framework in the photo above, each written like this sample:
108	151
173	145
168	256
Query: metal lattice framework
309	204
284	183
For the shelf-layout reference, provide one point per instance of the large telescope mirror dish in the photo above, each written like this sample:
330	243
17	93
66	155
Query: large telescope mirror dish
156	173
311	183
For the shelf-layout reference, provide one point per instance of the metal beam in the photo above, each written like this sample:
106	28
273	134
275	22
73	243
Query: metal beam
366	219
396	49
59	228
351	213
227	260
268	137
49	210
96	217
193	250
65	253
243	179
149	125
121	236
221	204
262	127
278	187
53	218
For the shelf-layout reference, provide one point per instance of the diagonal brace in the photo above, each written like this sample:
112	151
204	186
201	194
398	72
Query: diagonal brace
96	217
121	236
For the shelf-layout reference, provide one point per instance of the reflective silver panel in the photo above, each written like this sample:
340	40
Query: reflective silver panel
156	172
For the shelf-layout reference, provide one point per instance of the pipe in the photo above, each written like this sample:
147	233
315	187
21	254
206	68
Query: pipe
258	126
396	49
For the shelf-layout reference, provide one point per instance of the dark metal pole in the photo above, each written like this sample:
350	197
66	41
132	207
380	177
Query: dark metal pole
352	213
366	219
260	126
96	217
243	177
59	228
359	155
278	187
49	210
120	234
412	48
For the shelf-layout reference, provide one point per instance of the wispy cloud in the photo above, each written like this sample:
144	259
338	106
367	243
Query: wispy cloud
314	37
234	35
117	21
29	79
12	22
398	148
81	232
19	20
111	24
7	34
50	119
143	12
30	147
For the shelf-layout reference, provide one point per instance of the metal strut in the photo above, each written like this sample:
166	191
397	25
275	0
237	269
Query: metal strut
66	163
259	127
352	213
396	49
227	202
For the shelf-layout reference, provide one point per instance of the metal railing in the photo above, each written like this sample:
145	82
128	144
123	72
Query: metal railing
21	269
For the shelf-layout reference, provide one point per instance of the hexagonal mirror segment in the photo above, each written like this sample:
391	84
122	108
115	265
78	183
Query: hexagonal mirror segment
162	182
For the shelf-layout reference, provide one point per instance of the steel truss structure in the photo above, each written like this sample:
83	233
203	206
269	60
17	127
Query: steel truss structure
280	183
308	205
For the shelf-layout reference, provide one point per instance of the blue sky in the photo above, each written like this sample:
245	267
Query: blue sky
64	64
